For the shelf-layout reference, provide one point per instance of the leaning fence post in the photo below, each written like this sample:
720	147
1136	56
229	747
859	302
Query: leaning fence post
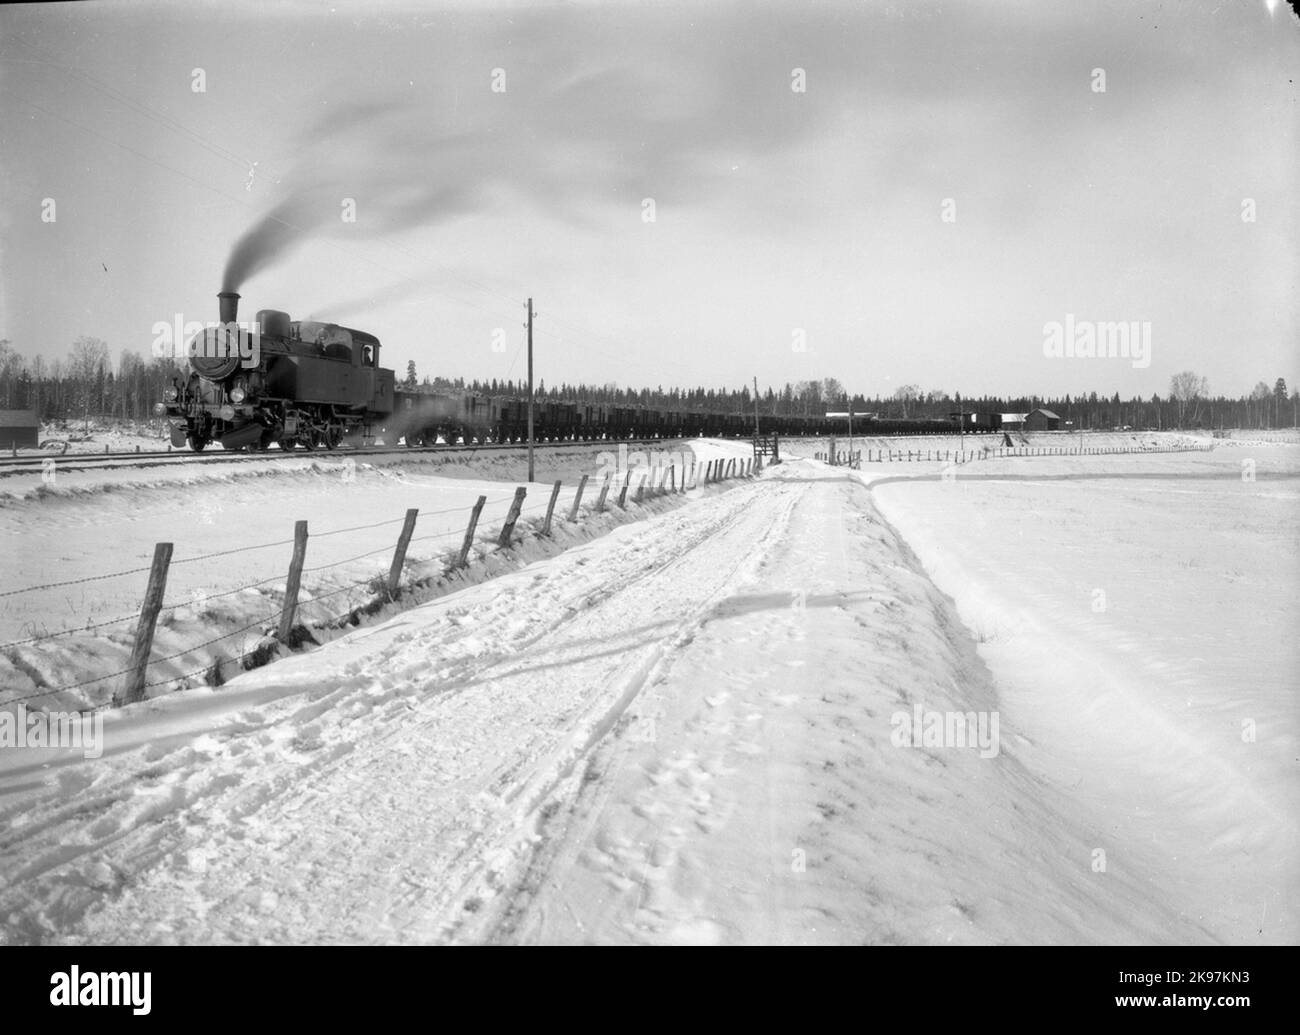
469	532
640	490
622	494
604	491
508	528
133	690
573	514
550	508
295	580
399	555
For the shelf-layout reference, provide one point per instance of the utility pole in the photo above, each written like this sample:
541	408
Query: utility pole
961	424
850	431
530	389
755	406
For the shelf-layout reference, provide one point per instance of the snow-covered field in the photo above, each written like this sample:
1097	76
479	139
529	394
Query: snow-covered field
1141	628
712	723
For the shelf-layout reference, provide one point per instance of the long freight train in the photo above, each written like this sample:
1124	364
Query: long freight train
311	384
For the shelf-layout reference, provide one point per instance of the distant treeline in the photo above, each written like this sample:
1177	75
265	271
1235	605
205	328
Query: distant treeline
86	383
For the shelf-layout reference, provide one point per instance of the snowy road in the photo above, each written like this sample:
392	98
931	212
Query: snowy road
678	732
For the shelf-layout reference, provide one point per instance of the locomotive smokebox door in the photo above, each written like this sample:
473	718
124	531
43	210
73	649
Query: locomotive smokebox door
215	354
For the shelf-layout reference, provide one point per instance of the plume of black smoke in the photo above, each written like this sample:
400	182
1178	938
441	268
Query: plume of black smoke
593	115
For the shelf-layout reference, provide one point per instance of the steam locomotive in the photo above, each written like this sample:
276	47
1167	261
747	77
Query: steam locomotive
319	385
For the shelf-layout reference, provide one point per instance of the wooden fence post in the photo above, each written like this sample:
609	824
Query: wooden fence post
133	690
622	495
640	489
295	580
507	530
604	491
672	479
577	500
469	532
555	494
399	555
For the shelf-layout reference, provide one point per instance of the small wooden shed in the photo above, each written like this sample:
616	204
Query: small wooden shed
19	428
1042	420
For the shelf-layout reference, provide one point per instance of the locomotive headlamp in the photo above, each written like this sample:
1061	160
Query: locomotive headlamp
227	413
237	394
170	394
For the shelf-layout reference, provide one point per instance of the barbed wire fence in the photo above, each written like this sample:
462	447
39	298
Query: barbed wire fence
380	588
985	452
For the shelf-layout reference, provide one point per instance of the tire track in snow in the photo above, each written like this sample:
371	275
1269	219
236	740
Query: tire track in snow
770	805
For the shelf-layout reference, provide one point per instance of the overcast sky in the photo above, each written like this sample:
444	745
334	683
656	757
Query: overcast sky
775	210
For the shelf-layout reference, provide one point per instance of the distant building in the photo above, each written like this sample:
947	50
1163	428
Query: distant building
1013	421
977	420
1042	420
19	428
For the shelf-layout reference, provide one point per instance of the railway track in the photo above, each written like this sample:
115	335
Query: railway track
110	461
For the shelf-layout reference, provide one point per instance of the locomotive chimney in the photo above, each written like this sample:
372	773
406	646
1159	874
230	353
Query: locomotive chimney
228	301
